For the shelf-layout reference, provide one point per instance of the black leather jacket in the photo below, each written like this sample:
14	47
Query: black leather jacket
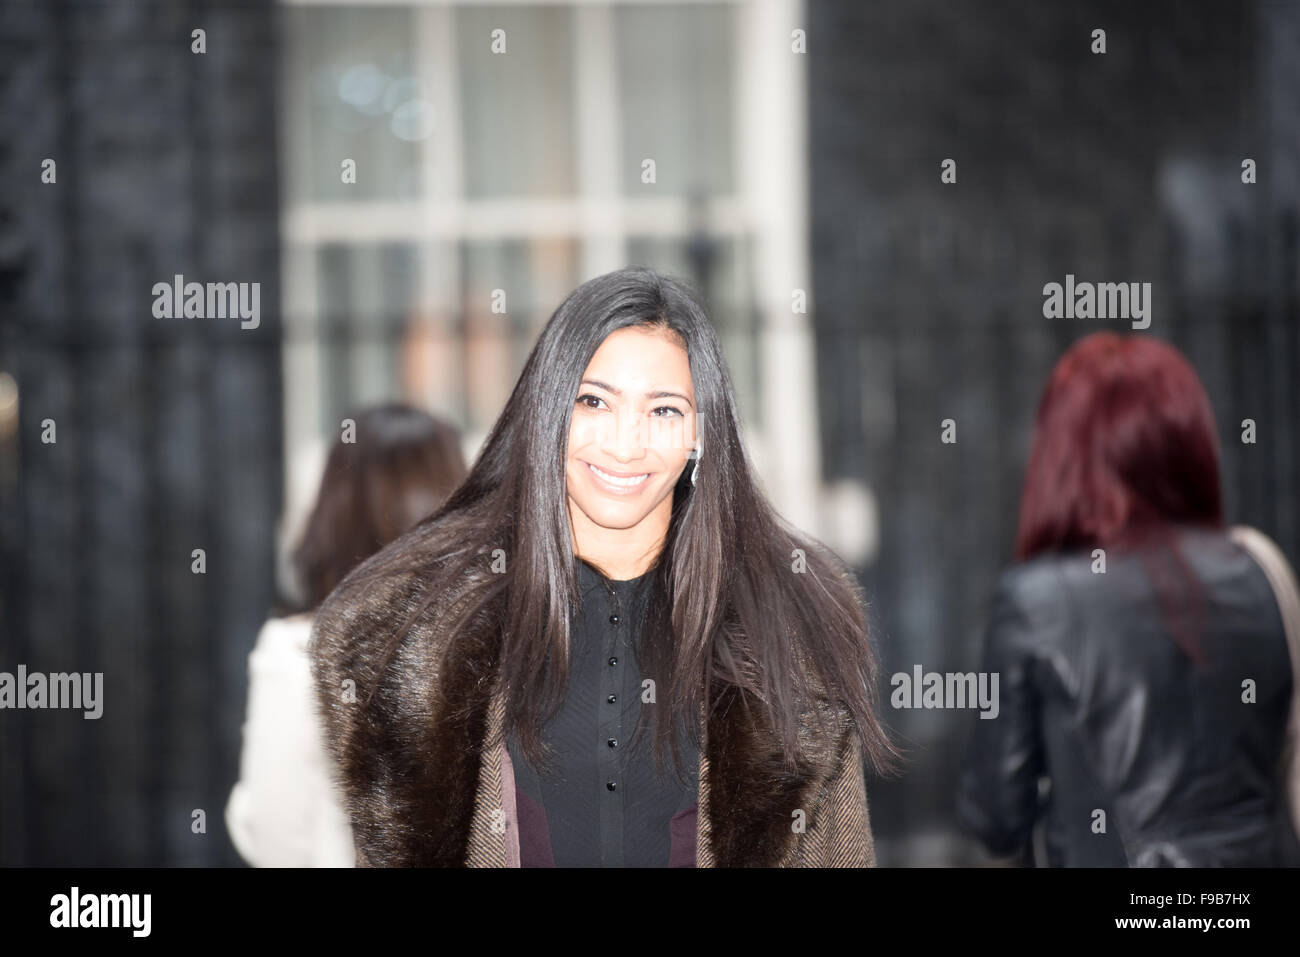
1096	697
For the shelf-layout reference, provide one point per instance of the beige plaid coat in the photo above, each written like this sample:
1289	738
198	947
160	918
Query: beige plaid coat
422	790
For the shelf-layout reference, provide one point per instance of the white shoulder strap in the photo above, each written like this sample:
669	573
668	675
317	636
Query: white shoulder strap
1287	593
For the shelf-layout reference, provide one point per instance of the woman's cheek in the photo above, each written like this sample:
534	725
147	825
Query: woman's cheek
582	433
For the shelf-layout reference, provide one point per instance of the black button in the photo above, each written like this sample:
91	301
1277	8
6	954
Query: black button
612	698
613	619
613	661
612	742
611	785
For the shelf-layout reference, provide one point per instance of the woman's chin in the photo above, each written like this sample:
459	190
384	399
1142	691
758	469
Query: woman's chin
615	515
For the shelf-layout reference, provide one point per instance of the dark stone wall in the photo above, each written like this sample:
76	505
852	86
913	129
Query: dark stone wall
168	431
1117	167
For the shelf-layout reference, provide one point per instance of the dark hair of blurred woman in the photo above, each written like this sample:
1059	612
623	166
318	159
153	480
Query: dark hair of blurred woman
402	465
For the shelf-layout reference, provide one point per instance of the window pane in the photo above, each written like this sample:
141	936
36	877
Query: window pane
351	93
367	296
516	106
675	97
534	276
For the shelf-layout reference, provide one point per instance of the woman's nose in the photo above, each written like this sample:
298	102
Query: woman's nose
627	431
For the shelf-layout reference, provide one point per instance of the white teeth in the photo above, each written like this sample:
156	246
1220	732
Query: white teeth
614	480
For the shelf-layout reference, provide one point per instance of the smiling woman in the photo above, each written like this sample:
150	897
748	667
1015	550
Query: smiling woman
477	677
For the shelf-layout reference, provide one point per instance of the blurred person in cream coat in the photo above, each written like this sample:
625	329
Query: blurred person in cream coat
392	468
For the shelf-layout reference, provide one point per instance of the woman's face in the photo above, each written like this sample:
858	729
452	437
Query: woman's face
634	421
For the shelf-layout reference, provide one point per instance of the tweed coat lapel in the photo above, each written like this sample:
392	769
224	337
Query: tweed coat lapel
747	794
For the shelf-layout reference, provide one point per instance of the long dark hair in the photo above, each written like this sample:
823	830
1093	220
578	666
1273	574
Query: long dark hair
397	467
725	602
1124	453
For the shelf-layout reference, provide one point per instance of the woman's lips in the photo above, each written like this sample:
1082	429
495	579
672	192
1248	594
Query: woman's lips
618	483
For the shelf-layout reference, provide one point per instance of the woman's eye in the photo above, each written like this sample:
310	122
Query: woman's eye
589	401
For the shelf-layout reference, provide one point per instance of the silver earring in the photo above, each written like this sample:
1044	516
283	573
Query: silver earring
695	471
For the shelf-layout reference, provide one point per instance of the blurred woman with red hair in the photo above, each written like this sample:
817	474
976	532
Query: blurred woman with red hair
1144	670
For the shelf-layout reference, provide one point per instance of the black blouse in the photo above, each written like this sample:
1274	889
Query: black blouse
601	802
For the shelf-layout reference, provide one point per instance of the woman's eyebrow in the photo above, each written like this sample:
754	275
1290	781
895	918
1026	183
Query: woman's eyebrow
656	394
